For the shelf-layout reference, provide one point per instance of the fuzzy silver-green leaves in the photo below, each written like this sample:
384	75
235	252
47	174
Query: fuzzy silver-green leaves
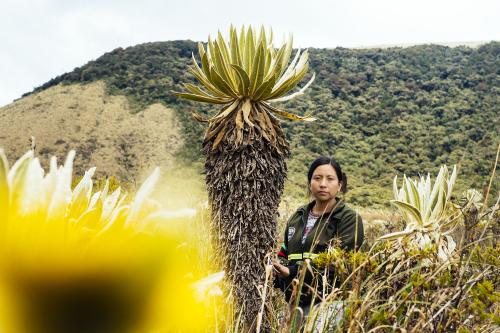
247	67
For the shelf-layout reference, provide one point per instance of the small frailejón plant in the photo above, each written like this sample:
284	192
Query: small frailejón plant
75	260
425	209
245	148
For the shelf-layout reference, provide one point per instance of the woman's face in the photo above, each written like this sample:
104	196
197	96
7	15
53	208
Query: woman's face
324	183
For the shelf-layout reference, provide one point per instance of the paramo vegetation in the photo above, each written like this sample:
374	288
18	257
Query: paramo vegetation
75	267
431	267
380	111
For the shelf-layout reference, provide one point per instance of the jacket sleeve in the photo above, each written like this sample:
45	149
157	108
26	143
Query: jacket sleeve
283	283
350	231
292	268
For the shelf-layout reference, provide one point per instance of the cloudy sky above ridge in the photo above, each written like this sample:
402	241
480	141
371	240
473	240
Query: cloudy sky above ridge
40	39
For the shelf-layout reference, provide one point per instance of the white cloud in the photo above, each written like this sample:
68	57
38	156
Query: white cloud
40	39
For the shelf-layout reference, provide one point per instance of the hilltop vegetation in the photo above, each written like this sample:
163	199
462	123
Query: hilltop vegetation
99	127
380	112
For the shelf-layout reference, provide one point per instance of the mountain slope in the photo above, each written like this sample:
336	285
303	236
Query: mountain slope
381	112
99	127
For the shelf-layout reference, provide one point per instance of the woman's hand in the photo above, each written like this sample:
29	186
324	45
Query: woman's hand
281	270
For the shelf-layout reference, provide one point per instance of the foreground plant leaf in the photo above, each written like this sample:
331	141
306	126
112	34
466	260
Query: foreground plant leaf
75	260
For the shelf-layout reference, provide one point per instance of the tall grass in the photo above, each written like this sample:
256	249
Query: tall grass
396	286
166	271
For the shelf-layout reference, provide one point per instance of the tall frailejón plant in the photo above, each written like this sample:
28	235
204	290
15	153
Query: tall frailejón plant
245	147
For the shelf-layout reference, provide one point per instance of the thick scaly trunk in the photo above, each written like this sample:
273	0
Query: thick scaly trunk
245	175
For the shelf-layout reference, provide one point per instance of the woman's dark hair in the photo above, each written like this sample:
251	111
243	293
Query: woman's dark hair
322	160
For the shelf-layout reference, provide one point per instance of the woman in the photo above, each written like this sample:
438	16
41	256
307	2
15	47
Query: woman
315	226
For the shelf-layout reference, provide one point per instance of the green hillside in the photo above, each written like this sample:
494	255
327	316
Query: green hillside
381	112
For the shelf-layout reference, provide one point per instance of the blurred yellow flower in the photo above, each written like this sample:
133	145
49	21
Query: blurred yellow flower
75	260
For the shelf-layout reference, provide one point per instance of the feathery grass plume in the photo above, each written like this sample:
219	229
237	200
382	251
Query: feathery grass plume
75	260
426	211
245	149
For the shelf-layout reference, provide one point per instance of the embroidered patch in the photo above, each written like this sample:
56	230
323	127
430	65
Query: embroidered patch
291	232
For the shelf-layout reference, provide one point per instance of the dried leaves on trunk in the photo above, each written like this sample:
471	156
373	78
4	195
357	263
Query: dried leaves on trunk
245	175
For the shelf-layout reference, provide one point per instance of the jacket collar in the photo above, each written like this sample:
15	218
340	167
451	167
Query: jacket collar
338	207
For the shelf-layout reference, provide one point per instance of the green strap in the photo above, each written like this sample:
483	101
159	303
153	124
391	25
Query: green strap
295	256
308	255
300	256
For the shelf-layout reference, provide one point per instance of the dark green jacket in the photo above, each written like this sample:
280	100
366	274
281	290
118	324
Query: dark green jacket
343	223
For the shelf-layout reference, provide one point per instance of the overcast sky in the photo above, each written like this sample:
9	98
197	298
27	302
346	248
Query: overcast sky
40	39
